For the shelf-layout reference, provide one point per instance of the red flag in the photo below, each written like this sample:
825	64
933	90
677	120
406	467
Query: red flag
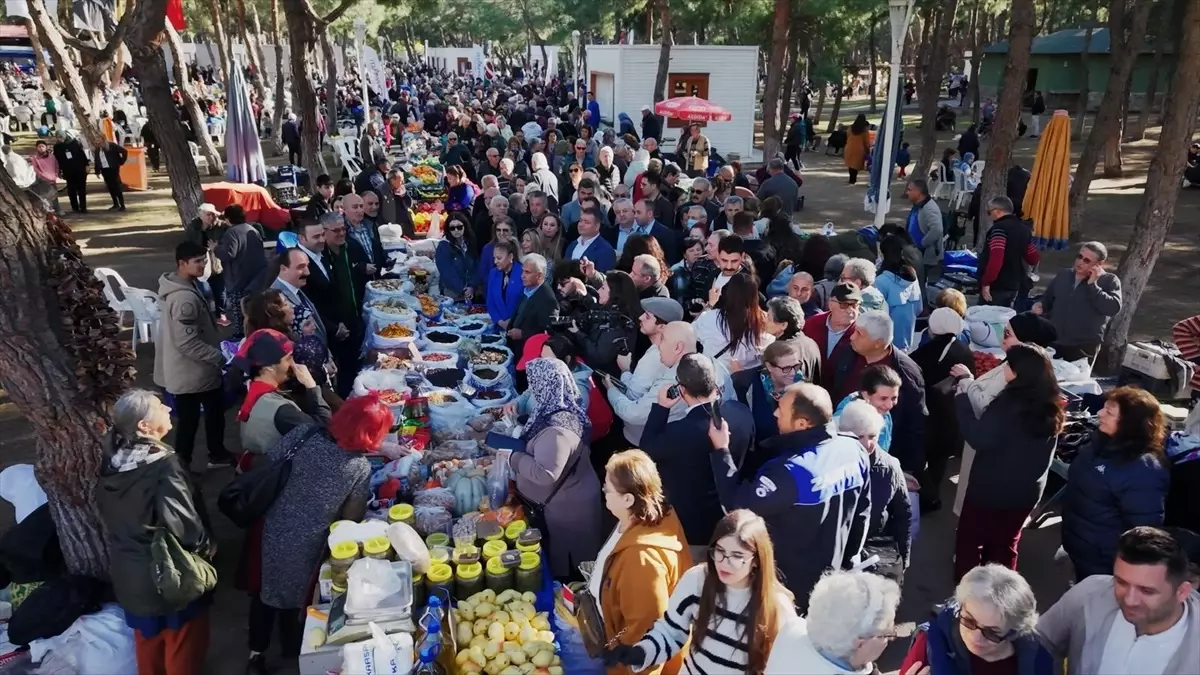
175	14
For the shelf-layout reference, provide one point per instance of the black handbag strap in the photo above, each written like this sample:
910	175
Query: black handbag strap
572	464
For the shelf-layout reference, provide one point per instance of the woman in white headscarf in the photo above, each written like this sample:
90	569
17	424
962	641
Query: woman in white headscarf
641	160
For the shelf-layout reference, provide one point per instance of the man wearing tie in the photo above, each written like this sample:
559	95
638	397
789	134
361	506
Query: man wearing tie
320	288
292	280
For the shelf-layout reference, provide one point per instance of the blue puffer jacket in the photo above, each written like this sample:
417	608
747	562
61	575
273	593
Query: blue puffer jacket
1106	495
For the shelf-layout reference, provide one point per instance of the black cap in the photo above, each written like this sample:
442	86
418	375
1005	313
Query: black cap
846	293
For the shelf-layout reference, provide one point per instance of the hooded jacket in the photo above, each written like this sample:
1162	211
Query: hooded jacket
187	354
638	577
133	505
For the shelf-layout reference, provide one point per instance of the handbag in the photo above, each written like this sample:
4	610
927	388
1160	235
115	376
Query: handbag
247	497
591	622
536	511
179	575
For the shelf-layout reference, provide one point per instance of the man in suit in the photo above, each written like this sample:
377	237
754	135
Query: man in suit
538	304
654	190
73	162
673	446
320	286
590	244
394	203
363	237
291	281
108	166
349	267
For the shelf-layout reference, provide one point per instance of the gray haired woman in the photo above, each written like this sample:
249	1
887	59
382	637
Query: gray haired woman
144	488
992	619
851	619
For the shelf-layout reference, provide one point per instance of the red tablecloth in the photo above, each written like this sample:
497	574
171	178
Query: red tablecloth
257	202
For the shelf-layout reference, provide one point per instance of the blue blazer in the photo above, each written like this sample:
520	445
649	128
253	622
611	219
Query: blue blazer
502	305
599	251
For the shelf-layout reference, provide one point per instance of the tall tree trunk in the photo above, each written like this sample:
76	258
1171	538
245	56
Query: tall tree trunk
216	167
331	109
39	58
1112	145
1008	108
820	105
979	35
302	34
1124	47
664	53
1085	83
259	49
789	80
770	104
1157	215
146	34
253	45
1137	130
873	87
62	364
938	54
280	80
224	44
839	87
409	48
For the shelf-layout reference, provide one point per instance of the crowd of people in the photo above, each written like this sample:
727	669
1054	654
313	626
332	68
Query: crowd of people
741	427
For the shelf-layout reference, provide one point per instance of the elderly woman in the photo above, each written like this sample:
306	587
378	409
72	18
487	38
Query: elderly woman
553	474
944	439
145	489
987	627
329	480
851	619
606	171
1116	483
889	532
641	160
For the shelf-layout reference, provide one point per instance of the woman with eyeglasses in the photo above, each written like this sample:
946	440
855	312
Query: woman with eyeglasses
731	607
456	258
988	627
851	619
568	183
502	230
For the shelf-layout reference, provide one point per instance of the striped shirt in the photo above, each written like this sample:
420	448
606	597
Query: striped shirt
1186	335
721	648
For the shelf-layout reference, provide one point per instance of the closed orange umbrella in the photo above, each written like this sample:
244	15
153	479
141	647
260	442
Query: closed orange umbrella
1046	199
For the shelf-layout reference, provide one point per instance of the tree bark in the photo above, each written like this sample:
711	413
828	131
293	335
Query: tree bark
253	53
1107	122
62	364
664	54
39	58
146	34
216	166
1008	107
932	85
1112	145
1085	84
770	104
873	87
839	87
258	46
980	36
1137	131
280	80
224	45
331	118
1157	214
789	80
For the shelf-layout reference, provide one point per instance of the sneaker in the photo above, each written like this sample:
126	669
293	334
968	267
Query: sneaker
223	321
221	461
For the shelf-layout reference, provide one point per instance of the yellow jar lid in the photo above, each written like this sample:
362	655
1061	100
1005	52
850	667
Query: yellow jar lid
376	545
437	539
496	566
439	573
529	548
492	549
530	561
515	528
400	512
439	554
338	523
469	571
344	550
418	578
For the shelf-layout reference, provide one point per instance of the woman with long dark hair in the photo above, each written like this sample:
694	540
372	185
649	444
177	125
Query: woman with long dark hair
858	147
639	244
897	281
502	230
1014	441
613	328
735	329
457	258
731	607
460	191
786	244
1117	482
551	229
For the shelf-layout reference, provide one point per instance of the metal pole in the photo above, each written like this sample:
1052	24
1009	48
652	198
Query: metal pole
899	13
576	67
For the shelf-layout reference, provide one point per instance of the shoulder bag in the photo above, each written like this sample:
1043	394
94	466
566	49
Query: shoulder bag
179	575
248	497
536	511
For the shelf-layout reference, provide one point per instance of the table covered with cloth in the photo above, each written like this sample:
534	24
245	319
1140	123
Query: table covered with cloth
257	202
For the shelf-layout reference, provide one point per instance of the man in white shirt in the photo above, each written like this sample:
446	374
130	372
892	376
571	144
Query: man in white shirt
656	314
1142	620
590	244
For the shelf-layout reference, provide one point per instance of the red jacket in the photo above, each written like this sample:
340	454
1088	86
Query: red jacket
816	328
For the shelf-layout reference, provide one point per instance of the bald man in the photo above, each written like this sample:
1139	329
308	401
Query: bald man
633	407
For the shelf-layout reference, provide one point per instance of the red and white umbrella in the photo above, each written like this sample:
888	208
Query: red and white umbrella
692	109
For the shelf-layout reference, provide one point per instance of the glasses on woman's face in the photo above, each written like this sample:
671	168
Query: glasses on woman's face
459	228
990	634
786	370
735	559
503	230
574	171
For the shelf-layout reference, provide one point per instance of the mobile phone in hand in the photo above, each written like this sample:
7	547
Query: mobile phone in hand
716	413
673	391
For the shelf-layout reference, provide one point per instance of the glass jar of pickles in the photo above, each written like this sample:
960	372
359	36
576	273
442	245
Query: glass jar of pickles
378	548
418	587
468	580
439	582
486	530
514	530
439	555
437	539
401	513
529	573
341	557
492	549
530	541
499	576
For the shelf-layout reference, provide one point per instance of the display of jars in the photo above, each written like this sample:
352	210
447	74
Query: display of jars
401	513
529	573
378	548
492	549
341	557
439	582
468	580
499	576
530	541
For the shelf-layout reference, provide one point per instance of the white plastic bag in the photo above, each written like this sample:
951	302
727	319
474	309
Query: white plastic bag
381	655
428	360
379	380
497	481
447	416
502	377
372	586
96	644
985	324
20	487
426	343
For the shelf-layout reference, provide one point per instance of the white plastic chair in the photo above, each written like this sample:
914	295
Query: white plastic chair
23	116
146	313
977	168
199	159
352	167
944	188
960	196
113	283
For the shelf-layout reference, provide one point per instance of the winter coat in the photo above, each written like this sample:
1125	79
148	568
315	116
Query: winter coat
857	150
638	577
904	304
187	352
573	515
935	360
939	645
133	504
1108	494
1011	460
456	268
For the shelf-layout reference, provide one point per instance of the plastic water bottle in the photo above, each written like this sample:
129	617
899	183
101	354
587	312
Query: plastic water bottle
429	649
431	620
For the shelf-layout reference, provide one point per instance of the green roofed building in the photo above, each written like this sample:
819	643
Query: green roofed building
1056	68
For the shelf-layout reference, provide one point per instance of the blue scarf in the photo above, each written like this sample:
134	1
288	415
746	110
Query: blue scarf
557	396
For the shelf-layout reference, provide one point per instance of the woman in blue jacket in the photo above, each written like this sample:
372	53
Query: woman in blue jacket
503	297
1115	483
456	258
460	192
898	283
502	230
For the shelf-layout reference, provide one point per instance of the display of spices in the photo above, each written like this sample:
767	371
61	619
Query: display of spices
487	373
442	398
447	378
489	395
436	357
441	337
489	356
471	326
491	339
429	304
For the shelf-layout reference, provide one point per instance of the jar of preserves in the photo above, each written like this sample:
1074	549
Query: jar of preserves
439	555
529	573
439	582
418	583
465	555
437	539
468	580
378	548
341	557
499	577
401	513
530	541
514	530
487	531
492	549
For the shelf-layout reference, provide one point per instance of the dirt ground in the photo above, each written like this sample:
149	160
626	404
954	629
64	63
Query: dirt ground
138	245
